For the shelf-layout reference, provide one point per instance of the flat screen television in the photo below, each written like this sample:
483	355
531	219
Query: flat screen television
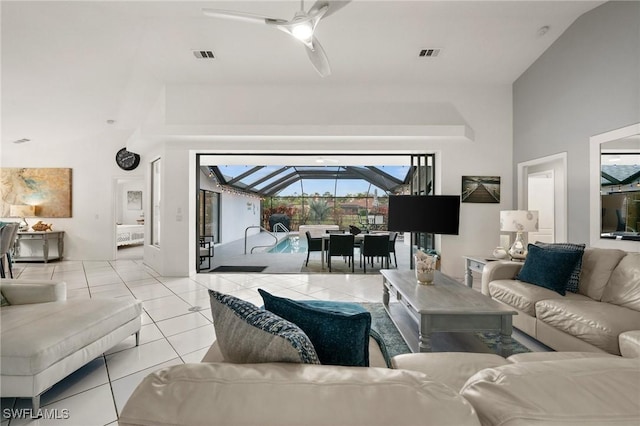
437	214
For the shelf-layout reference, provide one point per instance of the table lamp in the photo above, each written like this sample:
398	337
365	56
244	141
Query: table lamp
518	221
22	211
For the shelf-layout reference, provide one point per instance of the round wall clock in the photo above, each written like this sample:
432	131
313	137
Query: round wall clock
127	160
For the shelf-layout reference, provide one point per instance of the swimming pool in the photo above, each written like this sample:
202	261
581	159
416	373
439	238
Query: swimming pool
290	245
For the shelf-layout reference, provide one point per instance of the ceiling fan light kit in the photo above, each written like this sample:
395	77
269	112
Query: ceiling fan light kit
301	27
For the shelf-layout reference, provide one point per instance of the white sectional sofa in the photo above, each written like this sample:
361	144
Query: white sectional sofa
603	316
423	389
45	337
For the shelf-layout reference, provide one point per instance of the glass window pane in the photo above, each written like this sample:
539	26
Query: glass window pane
156	175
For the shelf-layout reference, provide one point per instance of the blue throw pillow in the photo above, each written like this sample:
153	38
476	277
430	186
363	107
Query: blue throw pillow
549	268
339	331
574	278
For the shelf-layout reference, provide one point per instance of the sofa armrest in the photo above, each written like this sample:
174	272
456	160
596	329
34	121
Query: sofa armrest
499	270
24	291
630	344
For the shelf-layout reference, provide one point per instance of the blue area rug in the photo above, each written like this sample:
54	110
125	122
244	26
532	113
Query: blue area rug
395	344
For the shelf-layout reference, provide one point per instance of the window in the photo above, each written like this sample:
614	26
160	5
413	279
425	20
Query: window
156	174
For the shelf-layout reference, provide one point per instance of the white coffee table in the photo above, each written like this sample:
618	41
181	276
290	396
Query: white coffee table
445	306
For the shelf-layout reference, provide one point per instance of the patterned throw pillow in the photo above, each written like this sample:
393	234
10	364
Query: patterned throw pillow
548	268
574	279
248	334
339	331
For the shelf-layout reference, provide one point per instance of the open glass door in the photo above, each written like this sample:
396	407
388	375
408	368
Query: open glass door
422	183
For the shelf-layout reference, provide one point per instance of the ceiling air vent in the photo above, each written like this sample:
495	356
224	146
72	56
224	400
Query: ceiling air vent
203	54
429	53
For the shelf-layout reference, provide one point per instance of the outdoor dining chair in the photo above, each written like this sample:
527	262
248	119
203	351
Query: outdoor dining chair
375	246
341	245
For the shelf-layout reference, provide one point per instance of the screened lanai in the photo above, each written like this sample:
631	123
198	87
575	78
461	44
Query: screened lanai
342	191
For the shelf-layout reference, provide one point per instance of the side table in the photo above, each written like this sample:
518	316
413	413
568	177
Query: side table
475	264
51	243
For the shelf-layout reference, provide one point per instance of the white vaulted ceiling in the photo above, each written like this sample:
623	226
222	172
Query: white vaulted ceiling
69	66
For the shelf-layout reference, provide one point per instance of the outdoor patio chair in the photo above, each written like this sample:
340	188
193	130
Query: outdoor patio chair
375	246
313	244
341	245
206	249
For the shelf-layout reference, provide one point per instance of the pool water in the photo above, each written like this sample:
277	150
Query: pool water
290	245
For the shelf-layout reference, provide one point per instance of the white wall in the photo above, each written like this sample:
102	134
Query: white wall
90	232
585	84
90	236
487	110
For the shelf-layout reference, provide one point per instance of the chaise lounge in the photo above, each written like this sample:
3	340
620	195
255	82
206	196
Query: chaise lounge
46	337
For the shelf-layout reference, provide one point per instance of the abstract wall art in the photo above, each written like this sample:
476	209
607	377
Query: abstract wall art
48	189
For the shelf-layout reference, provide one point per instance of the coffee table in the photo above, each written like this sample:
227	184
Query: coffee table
445	306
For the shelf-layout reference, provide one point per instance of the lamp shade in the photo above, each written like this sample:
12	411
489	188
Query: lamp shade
518	220
22	210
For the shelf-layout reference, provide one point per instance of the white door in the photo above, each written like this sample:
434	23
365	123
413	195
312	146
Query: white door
542	186
540	197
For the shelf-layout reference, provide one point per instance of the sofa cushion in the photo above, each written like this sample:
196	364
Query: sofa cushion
630	344
597	266
574	278
339	331
623	288
524	296
451	368
248	334
293	394
35	336
548	268
594	322
576	392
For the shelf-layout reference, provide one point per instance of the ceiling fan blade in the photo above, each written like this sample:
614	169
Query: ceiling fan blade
243	16
333	6
318	58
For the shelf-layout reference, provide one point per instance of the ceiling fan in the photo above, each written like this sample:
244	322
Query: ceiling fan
301	27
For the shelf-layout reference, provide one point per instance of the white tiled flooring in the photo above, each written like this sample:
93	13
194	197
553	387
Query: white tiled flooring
176	327
172	333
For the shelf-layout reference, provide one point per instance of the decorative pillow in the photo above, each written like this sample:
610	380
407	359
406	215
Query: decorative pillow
548	268
248	334
574	278
339	331
3	300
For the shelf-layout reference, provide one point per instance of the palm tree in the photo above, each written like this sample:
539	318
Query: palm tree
318	210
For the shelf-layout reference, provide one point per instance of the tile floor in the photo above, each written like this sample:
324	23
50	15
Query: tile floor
176	329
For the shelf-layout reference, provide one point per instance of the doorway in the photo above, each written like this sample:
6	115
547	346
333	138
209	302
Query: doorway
129	218
542	186
540	197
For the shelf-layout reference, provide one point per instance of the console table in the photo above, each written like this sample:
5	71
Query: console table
38	246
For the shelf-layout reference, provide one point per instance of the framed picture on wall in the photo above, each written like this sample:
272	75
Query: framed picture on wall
134	200
47	189
480	189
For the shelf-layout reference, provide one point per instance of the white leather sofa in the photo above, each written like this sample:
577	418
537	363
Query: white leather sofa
423	389
44	337
604	316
